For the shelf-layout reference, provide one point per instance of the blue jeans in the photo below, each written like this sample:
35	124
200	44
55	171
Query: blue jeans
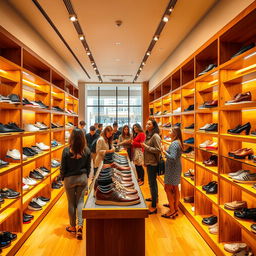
152	174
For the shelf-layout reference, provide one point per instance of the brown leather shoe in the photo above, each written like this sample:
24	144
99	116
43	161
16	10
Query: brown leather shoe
129	179
120	167
244	153
235	205
211	104
122	174
115	197
232	153
241	97
128	191
127	184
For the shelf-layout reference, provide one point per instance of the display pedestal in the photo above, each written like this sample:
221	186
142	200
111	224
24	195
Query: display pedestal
115	230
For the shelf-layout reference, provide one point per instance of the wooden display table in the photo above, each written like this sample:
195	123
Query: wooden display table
115	230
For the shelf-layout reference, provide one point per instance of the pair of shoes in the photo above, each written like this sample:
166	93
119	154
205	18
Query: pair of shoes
211	187
212	161
240	128
243	176
241	153
208	144
235	247
171	216
209	104
240	98
15	154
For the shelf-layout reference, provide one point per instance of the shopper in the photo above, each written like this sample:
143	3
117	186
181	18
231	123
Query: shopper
99	129
125	139
173	171
82	125
91	139
75	169
152	151
137	151
104	145
116	133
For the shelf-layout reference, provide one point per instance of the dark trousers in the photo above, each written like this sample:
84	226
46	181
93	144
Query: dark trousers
140	172
152	174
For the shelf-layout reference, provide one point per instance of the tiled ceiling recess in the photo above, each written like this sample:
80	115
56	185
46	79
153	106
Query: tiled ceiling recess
164	19
117	50
73	17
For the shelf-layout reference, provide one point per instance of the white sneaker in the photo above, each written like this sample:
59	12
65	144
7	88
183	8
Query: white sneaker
42	146
235	247
15	154
38	201
25	187
31	128
212	146
205	127
205	144
29	181
4	99
177	110
35	105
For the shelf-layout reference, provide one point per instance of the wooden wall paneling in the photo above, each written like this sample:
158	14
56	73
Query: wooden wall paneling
203	205
188	71
145	103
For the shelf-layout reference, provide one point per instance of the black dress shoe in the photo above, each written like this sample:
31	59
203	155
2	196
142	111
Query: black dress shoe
192	126
188	150
9	193
29	216
190	108
243	49
210	67
212	128
249	214
240	128
36	175
212	189
42	198
210	184
5	129
3	163
1	199
15	127
27	152
210	220
8	236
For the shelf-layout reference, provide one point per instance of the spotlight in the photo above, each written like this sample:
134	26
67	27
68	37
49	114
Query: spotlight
140	69
148	53
88	53
73	17
143	63
93	63
95	68
170	10
165	18
81	37
156	38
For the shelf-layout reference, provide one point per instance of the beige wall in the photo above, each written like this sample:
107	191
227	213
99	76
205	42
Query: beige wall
19	28
222	13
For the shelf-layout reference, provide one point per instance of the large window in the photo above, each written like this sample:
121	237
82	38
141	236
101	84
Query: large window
109	103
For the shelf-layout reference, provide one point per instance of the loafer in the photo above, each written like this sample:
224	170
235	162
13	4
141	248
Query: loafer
235	205
235	247
210	184
9	193
240	98
213	189
248	214
210	220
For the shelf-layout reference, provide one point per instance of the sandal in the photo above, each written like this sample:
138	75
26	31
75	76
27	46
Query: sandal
71	229
171	216
79	233
166	205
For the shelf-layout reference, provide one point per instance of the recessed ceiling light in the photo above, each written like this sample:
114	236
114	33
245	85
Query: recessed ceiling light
93	63
88	53
117	59
170	10
148	53
95	68
165	18
117	43
73	17
140	68
143	63
156	38
81	37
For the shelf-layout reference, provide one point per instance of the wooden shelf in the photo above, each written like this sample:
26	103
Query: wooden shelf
37	110
239	107
35	133
55	174
32	159
245	161
215	152
10	106
241	77
207	133
57	192
6	214
211	169
8	203
10	167
191	182
190	131
33	192
212	198
56	148
188	158
239	137
206	110
188	112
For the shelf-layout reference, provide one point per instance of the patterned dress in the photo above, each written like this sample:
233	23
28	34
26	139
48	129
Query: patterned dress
173	164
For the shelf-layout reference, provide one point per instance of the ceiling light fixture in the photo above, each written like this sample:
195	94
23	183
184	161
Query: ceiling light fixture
93	63
73	17
81	37
88	53
156	38
165	18
95	68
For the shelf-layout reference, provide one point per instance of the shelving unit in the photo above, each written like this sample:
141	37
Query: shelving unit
25	74
184	87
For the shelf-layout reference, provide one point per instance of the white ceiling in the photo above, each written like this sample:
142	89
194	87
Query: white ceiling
97	19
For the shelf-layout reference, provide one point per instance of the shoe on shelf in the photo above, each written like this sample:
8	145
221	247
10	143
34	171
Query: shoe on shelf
7	236
212	146
205	143
210	67
1	199
240	128
212	161
189	173
244	49
14	98
204	127
55	185
210	184
245	152
190	108
4	99
41	126
211	104
3	164
212	128
33	206
210	220
189	141
42	146
240	98
246	213
235	247
188	199
5	129
36	175
38	201
214	230
31	128
233	174
29	181
44	199
15	154
245	177
177	110
235	205
9	193
25	187
192	126
26	220
27	152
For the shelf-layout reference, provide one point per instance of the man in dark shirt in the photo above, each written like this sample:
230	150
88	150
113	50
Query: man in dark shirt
100	128
91	139
116	132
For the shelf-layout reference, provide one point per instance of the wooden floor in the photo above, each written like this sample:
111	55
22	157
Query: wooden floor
164	237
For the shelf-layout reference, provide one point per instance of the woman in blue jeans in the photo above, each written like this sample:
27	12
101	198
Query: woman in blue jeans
152	151
75	169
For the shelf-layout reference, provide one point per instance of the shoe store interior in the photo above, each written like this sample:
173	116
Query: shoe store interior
127	127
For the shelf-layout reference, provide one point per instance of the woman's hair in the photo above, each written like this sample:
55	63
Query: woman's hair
124	127
155	127
134	134
104	134
177	135
77	142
